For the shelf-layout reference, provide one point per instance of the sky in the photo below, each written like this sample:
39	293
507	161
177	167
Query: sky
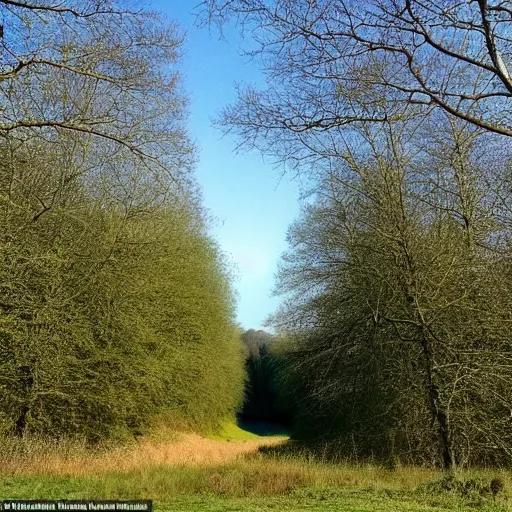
251	200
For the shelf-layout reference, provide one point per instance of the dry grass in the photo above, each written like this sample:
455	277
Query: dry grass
191	462
196	464
73	459
316	473
191	465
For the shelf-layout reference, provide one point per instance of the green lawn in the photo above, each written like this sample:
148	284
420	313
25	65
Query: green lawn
327	499
250	430
162	485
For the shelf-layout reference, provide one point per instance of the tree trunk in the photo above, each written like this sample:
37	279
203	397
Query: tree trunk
27	384
438	413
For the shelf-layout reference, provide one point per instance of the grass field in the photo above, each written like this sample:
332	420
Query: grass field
228	472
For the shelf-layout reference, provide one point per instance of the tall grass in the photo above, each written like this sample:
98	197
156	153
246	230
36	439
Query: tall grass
189	464
36	456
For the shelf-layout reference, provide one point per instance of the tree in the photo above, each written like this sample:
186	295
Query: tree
116	305
260	394
397	300
397	303
267	396
331	64
98	70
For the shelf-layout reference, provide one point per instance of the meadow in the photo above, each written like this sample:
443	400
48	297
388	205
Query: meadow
235	470
119	306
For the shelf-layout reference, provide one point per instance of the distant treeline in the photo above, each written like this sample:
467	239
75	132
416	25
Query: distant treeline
115	304
265	396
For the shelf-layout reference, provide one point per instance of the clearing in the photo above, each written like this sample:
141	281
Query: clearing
189	472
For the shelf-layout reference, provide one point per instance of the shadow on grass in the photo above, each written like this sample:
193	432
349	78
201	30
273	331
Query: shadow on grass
313	451
330	451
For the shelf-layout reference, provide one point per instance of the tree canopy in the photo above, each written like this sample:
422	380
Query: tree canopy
333	64
116	305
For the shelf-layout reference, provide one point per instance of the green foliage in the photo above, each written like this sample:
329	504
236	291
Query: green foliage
185	316
115	304
265	399
107	321
399	305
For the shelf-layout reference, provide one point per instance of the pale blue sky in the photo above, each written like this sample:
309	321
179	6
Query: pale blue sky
254	206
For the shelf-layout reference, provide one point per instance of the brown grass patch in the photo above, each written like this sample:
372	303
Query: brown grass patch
187	450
